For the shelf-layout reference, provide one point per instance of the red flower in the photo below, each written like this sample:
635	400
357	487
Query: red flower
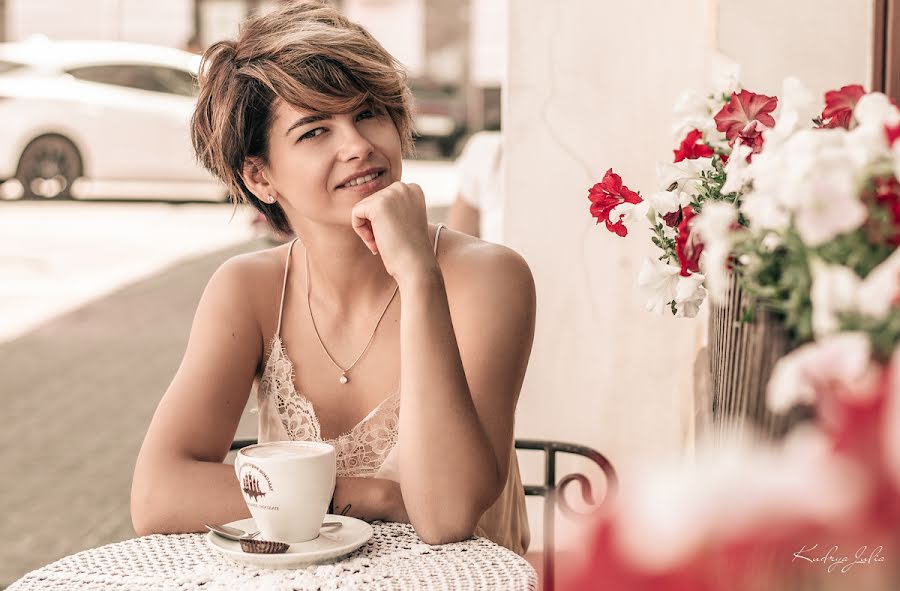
687	246
892	133
839	106
743	110
692	147
606	195
887	196
673	218
752	136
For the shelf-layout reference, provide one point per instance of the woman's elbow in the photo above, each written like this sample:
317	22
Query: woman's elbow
143	515
142	520
147	503
439	531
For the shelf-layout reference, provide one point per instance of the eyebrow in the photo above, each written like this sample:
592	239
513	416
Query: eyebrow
305	120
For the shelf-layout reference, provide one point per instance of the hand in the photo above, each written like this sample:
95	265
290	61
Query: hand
370	499
394	224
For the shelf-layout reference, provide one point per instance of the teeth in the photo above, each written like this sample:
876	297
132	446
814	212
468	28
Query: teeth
362	179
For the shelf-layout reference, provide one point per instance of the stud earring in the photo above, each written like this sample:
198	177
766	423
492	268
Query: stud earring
270	199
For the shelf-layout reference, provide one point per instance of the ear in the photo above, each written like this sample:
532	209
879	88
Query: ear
256	178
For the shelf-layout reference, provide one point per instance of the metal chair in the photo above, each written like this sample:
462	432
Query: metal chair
551	490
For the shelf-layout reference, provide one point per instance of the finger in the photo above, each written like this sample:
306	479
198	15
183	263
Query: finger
363	228
364	231
417	190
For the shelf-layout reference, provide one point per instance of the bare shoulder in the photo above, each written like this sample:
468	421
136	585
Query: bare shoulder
260	265
250	283
492	272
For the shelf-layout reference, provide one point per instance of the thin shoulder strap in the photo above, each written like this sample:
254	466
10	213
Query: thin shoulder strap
437	236
287	263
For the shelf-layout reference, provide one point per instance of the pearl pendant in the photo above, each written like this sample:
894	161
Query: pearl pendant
344	379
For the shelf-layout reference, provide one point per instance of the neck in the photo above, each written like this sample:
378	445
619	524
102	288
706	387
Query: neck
344	275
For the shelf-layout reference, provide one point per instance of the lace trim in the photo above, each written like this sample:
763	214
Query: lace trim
360	451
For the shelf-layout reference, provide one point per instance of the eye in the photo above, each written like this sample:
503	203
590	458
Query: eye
311	134
367	114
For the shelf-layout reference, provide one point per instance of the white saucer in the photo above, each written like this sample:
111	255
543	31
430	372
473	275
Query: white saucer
325	548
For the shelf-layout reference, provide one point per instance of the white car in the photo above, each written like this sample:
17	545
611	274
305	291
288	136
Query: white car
99	119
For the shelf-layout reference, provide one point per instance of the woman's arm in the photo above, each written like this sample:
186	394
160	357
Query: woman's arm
179	481
460	380
464	217
370	499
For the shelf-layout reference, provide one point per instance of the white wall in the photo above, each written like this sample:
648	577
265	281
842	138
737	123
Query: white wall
827	42
165	22
590	86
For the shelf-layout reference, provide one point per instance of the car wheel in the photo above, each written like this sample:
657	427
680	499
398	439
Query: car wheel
48	167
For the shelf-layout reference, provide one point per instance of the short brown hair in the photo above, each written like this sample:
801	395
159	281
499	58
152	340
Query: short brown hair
306	54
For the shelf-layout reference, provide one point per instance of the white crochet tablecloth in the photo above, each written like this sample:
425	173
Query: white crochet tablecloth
394	558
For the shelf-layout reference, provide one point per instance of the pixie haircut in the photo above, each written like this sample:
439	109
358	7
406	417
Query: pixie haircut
311	57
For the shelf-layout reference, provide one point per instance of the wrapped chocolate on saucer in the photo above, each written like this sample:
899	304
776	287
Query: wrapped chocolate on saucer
263	546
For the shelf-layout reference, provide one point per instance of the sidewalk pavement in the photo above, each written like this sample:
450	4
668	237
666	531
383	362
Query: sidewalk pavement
78	394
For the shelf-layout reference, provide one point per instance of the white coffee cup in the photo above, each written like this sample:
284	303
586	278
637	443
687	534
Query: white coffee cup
287	486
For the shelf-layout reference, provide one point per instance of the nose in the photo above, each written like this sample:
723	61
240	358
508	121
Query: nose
354	145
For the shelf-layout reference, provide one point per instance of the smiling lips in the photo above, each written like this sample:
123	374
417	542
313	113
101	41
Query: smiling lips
363	179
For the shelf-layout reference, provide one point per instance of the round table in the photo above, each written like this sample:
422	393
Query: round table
394	558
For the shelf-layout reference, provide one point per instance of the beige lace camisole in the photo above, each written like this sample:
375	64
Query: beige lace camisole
368	449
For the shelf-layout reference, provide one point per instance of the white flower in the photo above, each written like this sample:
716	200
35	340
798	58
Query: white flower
875	110
633	215
831	205
788	387
684	175
834	291
713	226
660	281
763	205
867	142
880	288
796	110
665	202
812	176
692	111
765	212
839	364
737	169
838	290
689	294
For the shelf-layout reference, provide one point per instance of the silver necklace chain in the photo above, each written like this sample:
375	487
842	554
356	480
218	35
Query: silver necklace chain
344	378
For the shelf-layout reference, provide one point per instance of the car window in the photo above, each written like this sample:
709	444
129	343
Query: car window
8	66
142	77
177	81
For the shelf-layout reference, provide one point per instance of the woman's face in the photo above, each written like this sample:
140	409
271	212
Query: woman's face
312	156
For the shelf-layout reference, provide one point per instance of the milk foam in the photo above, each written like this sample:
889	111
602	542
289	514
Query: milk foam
284	450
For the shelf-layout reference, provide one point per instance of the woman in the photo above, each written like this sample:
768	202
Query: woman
306	117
